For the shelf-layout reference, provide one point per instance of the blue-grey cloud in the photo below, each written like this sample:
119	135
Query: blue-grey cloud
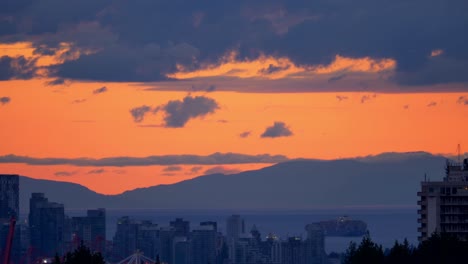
278	129
139	113
341	97
164	160
336	78
78	101
17	68
172	168
366	98
97	171
462	100
100	90
195	169
222	170
245	134
179	112
272	69
56	81
5	100
65	173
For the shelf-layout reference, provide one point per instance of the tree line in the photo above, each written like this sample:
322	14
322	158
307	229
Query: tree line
438	249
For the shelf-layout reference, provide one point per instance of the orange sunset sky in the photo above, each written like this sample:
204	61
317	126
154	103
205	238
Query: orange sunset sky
62	119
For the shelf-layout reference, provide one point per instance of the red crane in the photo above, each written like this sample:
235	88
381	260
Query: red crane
9	242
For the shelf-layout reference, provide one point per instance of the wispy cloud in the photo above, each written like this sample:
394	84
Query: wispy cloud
366	98
432	104
166	160
341	97
78	101
97	171
172	168
100	90
65	173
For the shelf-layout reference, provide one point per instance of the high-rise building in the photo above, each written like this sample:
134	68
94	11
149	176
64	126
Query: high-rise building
90	229
132	236
125	238
293	251
444	204
181	227
9	207
9	196
315	244
235	226
203	245
181	251
166	244
47	226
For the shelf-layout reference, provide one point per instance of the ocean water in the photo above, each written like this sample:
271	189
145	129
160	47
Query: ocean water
386	225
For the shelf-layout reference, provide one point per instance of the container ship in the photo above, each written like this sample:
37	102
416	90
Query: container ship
344	227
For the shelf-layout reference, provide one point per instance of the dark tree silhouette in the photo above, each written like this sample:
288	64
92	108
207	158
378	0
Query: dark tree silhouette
368	252
400	253
81	255
442	248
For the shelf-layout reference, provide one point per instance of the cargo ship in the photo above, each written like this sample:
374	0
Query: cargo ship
344	227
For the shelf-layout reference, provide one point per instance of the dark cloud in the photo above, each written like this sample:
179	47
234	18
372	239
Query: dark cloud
179	112
341	97
56	81
65	173
16	68
432	104
128	64
78	101
336	78
279	129
245	134
97	171
203	87
138	113
366	98
100	90
272	69
222	170
165	160
196	169
406	107
462	100
172	168
309	32
5	100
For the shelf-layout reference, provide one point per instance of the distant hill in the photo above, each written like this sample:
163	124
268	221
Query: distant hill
387	179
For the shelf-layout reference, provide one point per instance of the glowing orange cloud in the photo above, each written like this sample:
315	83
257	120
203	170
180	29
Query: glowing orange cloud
269	67
26	49
437	52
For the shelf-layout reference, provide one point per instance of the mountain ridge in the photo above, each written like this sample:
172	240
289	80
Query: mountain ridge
386	179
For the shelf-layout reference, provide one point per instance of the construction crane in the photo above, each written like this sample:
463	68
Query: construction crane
9	241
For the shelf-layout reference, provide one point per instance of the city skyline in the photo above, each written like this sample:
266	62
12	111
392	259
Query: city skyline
282	79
